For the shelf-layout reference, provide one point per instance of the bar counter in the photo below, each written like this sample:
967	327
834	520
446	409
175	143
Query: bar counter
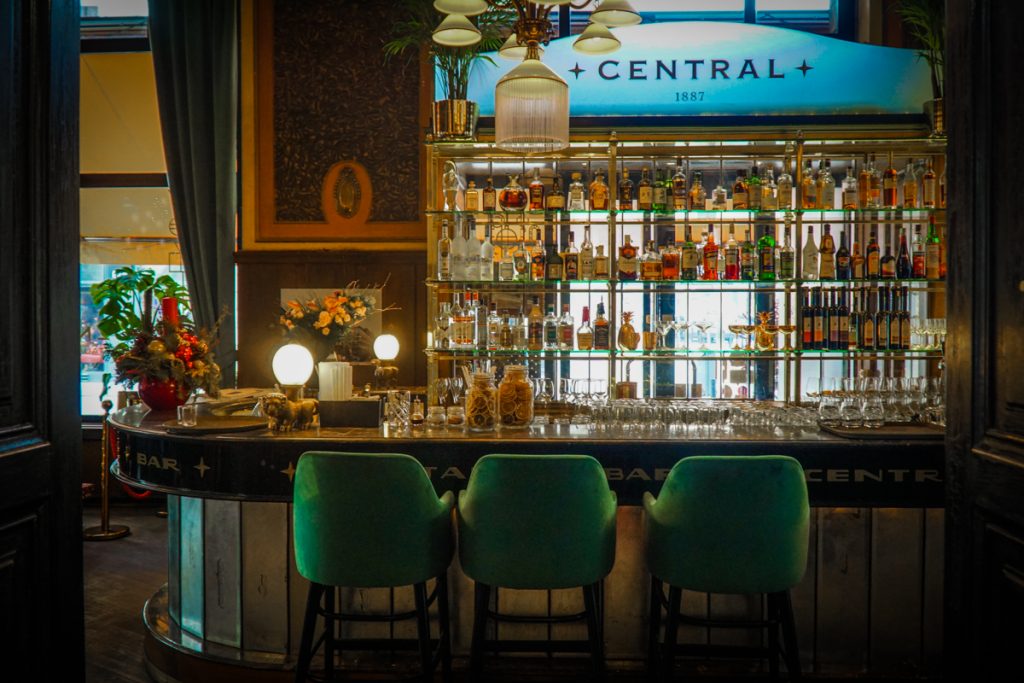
234	598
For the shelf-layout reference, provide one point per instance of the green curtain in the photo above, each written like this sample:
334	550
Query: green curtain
195	55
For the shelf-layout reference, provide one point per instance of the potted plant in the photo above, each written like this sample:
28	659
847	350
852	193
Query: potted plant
454	116
925	21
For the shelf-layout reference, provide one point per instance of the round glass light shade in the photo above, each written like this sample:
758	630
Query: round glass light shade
511	49
385	347
531	109
467	8
293	364
615	13
596	39
456	31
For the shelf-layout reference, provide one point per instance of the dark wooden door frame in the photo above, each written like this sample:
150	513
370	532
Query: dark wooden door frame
41	607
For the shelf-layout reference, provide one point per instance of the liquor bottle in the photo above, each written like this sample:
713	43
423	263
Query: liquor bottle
660	192
904	268
577	194
864	184
489	196
555	201
810	257
513	197
739	192
719	199
732	256
670	261
754	189
858	267
748	257
832	311
554	267
942	251
698	196
766	256
602	331
571	260
467	322
598	193
521	258
889	189
586	256
535	327
472	197
455	321
785	191
566	329
910	186
808	188
844	321
905	326
679	195
868	319
917	255
710	256
494	328
536	190
627	261
882	320
854	322
650	265
850	187
625	192
688	258
602	267
645	192
827	251
844	264
874	270
942	188
928	186
769	191
807	322
826	189
506	266
486	263
787	256
585	335
521	332
874	185
481	312
444	253
932	253
551	339
895	324
538	259
887	264
460	251
820	319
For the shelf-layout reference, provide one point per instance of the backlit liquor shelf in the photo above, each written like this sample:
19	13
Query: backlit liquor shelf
671	355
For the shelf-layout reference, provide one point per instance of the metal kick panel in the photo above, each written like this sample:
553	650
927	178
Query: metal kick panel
842	566
897	558
193	595
174	558
265	576
223	558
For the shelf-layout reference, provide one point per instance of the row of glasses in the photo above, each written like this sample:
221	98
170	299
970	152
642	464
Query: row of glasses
870	402
930	334
449	391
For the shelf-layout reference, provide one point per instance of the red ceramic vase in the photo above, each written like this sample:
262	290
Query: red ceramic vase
160	395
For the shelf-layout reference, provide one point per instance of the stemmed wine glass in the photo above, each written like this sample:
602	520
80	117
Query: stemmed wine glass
681	325
703	326
665	325
787	331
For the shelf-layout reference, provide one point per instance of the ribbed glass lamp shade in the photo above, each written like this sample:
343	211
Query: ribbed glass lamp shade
596	39
456	31
468	8
531	109
511	49
615	13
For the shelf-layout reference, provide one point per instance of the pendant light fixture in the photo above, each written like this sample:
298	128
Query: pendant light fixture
531	107
596	39
456	31
615	13
511	49
467	8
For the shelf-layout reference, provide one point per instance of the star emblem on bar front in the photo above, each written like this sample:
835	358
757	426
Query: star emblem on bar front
289	471
202	467
577	70
804	68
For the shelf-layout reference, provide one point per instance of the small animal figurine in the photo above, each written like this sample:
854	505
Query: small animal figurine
285	415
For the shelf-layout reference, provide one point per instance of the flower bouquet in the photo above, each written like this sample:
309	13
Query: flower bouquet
331	322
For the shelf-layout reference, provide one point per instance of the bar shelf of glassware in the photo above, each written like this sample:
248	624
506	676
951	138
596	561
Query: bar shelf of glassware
742	337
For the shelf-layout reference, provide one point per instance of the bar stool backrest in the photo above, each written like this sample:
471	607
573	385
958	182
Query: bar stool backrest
537	521
369	520
729	524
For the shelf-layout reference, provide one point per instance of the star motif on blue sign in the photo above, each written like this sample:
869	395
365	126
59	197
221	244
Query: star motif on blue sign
804	68
576	71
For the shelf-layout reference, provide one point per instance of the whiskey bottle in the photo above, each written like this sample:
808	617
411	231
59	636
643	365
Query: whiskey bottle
555	201
710	256
598	193
513	197
844	264
826	189
536	190
874	185
586	256
895	331
887	264
810	257
670	261
766	257
855	321
444	253
577	193
602	267
585	334
739	192
566	329
905	326
554	266
535	327
785	191
627	261
521	258
850	187
808	188
754	189
910	186
748	258
660	192
489	196
889	181
507	266
732	256
602	331
571	260
928	186
472	197
625	192
538	258
698	195
551	338
874	270
680	198
769	190
650	266
645	192
918	268
858	267
787	256
904	267
869	319
864	184
688	258
932	253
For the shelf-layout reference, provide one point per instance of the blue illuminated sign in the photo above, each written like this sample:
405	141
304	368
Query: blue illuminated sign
727	69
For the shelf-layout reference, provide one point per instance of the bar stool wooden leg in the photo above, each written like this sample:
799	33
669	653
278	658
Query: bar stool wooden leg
330	633
316	591
653	626
792	650
481	604
446	631
591	600
423	631
773	635
675	600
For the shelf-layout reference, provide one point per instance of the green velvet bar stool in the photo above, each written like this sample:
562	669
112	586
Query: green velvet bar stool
371	520
537	522
727	524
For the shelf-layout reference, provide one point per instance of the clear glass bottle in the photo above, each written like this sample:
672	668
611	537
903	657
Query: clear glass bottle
787	255
719	199
680	198
769	191
586	256
602	265
494	328
808	188
444	253
650	266
858	265
864	183
785	191
550	329
472	197
577	193
566	329
585	334
507	266
481	404
910	186
698	195
571	260
555	201
810	256
535	327
460	250
850	201
598	193
826	186
536	191
875	185
515	399
486	261
928	186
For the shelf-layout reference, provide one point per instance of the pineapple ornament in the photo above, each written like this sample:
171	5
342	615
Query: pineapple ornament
628	337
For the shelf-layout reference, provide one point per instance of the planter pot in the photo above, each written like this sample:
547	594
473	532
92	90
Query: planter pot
935	110
455	119
160	395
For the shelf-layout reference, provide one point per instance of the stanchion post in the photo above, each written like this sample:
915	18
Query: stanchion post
105	531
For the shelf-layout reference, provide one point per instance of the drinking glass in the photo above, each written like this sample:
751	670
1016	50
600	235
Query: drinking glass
187	415
851	404
703	326
873	410
828	403
665	325
398	405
